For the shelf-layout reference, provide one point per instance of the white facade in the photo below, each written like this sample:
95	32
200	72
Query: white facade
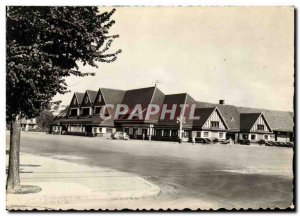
221	135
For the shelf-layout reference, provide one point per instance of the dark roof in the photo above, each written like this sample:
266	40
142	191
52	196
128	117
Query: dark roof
92	95
278	120
204	114
176	99
79	96
247	120
141	96
112	96
157	99
230	113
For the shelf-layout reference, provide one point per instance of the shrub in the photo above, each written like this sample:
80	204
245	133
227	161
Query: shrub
261	142
215	140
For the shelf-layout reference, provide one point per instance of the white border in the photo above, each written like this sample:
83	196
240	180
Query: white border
3	3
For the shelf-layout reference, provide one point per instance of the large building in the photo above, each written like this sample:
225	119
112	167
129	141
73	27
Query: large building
216	121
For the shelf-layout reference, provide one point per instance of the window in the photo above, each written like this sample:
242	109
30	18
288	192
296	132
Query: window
215	124
86	100
97	110
205	134
253	136
74	101
186	134
158	132
221	135
174	133
266	137
245	136
73	112
260	127
99	98
85	111
198	134
126	130
166	133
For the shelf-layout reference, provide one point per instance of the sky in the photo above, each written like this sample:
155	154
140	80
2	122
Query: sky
244	56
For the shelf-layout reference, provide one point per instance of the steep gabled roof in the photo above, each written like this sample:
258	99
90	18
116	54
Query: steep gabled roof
278	120
204	114
169	101
230	113
92	95
141	96
79	97
157	99
177	99
112	96
247	120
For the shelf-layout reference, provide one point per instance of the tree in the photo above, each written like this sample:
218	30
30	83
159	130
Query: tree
44	119
44	45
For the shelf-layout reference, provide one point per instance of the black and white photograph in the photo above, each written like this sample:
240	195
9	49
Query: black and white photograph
150	107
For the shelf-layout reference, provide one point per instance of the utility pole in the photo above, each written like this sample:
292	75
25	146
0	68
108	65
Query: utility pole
181	121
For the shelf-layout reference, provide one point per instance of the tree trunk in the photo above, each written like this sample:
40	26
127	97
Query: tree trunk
13	178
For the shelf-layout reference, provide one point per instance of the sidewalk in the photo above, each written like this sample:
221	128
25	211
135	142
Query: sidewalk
69	184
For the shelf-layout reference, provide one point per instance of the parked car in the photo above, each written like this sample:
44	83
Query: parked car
244	142
280	144
203	140
120	135
261	142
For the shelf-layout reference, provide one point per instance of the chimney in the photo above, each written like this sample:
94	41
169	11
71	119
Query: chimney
221	101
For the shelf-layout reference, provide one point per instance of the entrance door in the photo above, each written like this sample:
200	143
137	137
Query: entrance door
135	133
144	134
88	130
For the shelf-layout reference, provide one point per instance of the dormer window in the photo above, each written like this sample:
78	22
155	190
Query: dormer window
260	127
215	124
97	110
73	112
85	111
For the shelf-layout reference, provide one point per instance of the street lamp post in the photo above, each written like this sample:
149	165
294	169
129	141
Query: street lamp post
181	121
150	131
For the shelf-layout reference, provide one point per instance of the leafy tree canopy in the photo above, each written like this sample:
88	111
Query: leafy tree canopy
43	47
44	119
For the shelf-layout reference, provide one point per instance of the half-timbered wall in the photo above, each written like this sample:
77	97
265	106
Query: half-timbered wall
260	121
214	117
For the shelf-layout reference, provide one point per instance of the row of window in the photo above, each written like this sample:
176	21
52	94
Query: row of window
206	134
86	111
253	136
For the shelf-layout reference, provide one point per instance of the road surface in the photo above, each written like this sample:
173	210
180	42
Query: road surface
192	176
